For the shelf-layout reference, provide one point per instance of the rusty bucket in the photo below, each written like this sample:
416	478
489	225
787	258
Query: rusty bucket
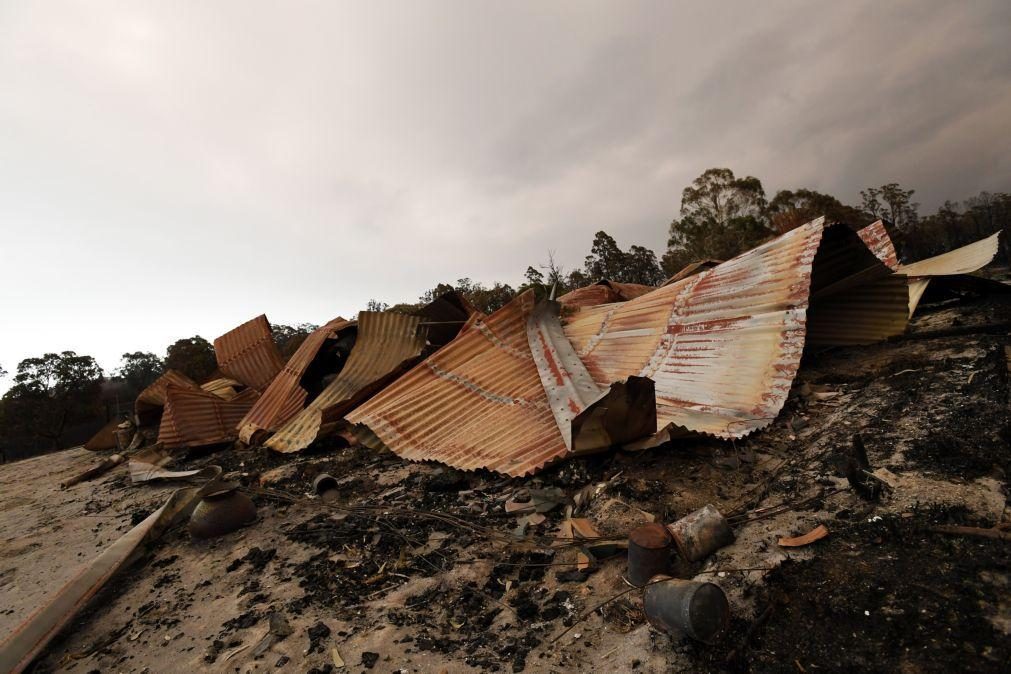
220	512
677	606
701	533
649	551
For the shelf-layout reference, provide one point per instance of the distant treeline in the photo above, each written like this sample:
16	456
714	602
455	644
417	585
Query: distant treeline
59	399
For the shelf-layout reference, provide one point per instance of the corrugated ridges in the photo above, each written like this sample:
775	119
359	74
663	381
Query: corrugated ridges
152	399
284	398
248	353
476	403
194	418
722	346
875	236
386	340
222	387
964	260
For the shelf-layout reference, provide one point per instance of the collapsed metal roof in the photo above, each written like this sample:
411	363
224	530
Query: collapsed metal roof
248	354
722	348
875	236
194	417
150	402
387	343
285	397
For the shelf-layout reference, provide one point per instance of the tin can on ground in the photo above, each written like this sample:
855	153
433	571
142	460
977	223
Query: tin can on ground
701	533
676	606
649	552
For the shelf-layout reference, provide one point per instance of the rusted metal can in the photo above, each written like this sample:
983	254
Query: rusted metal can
701	533
325	486
220	512
649	551
676	606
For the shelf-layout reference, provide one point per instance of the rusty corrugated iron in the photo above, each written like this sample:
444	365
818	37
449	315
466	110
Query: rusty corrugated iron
722	347
223	387
603	292
248	354
149	404
194	417
476	403
285	397
386	345
875	236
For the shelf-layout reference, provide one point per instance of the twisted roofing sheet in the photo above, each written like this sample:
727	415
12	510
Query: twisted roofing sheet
284	397
248	353
875	236
722	348
476	403
964	260
386	342
194	417
151	400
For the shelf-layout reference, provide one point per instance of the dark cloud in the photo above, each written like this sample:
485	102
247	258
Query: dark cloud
170	170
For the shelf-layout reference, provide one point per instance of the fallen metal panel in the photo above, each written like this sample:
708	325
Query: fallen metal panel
875	236
105	438
603	292
284	397
194	418
27	641
476	403
151	400
386	342
445	315
721	347
248	353
964	260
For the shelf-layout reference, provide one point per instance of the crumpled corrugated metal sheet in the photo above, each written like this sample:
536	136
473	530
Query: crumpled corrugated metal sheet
284	397
387	344
248	353
476	403
603	292
964	260
194	417
149	404
875	236
722	347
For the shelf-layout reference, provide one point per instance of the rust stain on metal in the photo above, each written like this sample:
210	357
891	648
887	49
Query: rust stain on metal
223	387
875	236
387	342
816	534
248	353
285	397
692	269
151	400
476	403
194	417
603	292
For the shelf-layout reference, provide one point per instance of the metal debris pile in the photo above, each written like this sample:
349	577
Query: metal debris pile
711	357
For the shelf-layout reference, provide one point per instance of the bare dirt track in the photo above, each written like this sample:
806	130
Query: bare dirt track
398	590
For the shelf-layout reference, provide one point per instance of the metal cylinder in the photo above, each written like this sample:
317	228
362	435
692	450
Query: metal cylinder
701	533
325	486
649	551
221	512
675	606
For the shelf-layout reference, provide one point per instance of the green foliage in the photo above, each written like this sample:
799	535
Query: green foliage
721	216
288	338
608	261
193	356
376	305
484	298
139	369
49	393
955	225
891	203
792	208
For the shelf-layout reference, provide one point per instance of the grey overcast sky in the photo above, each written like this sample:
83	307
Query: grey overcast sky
174	168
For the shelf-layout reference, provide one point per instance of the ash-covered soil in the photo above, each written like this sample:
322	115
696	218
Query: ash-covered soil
419	568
